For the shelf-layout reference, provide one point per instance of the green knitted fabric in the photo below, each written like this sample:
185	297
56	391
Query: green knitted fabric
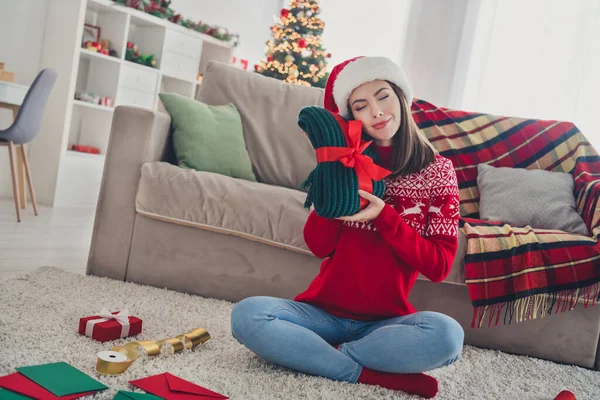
332	187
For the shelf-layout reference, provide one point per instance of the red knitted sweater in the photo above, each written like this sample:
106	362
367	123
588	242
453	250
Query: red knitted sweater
370	268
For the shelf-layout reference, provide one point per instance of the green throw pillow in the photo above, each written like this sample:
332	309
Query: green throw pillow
208	138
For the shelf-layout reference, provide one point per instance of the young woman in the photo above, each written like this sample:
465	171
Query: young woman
354	323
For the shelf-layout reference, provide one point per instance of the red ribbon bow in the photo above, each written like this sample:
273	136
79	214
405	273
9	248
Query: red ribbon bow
351	157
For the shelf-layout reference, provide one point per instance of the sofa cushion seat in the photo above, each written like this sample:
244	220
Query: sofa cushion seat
270	214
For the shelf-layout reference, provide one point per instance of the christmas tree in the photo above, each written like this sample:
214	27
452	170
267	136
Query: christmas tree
295	54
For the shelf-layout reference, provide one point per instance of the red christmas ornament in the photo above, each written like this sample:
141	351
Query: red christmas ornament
256	67
285	12
270	58
302	43
328	55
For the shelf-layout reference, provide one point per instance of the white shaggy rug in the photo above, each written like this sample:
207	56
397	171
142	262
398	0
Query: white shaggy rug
40	313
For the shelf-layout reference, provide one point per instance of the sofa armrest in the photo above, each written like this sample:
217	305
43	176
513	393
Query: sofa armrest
588	205
137	136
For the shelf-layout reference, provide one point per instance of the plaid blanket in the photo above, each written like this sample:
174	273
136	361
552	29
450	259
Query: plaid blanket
513	273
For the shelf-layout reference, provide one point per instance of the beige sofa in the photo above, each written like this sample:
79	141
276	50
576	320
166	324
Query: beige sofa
216	236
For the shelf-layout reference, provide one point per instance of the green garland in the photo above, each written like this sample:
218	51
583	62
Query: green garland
132	54
162	9
331	187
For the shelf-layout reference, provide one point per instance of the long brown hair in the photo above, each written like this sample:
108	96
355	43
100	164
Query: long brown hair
411	151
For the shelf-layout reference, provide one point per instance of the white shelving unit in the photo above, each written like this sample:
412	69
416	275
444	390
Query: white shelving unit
180	55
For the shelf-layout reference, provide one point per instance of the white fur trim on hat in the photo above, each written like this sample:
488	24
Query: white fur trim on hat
363	70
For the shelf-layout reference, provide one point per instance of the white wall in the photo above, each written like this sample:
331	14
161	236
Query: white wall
22	29
252	19
433	40
422	36
541	60
472	53
21	32
352	31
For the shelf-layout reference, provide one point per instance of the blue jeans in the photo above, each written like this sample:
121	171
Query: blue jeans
300	336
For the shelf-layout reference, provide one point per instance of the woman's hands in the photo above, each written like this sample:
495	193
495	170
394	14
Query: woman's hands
370	212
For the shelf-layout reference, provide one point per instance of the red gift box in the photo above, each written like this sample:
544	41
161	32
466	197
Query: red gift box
110	326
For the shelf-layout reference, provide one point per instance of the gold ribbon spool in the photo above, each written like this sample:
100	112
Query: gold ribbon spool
188	340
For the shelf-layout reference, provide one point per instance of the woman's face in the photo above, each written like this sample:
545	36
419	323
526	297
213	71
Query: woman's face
377	106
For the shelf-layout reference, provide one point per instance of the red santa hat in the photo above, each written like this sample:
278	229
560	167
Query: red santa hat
350	74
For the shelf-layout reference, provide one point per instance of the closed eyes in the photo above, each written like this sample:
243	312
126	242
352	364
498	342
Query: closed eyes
380	99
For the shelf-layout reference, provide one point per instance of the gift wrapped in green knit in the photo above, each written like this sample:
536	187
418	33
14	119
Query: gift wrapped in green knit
345	164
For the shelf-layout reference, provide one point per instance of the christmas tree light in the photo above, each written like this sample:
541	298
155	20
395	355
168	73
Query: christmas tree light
295	54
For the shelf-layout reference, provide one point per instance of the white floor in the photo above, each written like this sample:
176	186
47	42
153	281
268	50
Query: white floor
58	237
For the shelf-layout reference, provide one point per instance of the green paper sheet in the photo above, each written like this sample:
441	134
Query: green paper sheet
123	395
61	378
8	395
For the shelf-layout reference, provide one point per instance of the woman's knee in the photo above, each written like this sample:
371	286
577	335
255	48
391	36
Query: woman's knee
450	337
247	313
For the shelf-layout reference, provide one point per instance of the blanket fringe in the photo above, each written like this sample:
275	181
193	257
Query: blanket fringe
531	307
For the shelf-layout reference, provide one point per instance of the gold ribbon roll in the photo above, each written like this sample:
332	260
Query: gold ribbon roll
119	358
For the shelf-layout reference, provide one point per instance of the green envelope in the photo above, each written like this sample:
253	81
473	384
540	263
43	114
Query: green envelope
123	395
61	378
8	395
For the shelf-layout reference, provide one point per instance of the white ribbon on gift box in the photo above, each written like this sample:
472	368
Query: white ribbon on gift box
121	317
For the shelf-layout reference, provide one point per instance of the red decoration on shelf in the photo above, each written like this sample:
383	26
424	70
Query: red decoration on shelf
85	149
285	12
270	58
95	46
302	43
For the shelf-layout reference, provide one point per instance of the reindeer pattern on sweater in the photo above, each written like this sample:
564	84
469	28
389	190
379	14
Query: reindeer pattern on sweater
421	199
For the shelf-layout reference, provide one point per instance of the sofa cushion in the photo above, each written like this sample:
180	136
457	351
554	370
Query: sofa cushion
206	200
208	138
537	198
279	152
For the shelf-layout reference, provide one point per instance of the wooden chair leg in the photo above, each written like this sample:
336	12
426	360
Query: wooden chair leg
13	173
21	175
28	175
20	167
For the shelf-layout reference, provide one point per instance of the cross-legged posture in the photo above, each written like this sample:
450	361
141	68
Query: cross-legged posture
354	322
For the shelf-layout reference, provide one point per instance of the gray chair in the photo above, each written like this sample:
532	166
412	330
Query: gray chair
25	127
